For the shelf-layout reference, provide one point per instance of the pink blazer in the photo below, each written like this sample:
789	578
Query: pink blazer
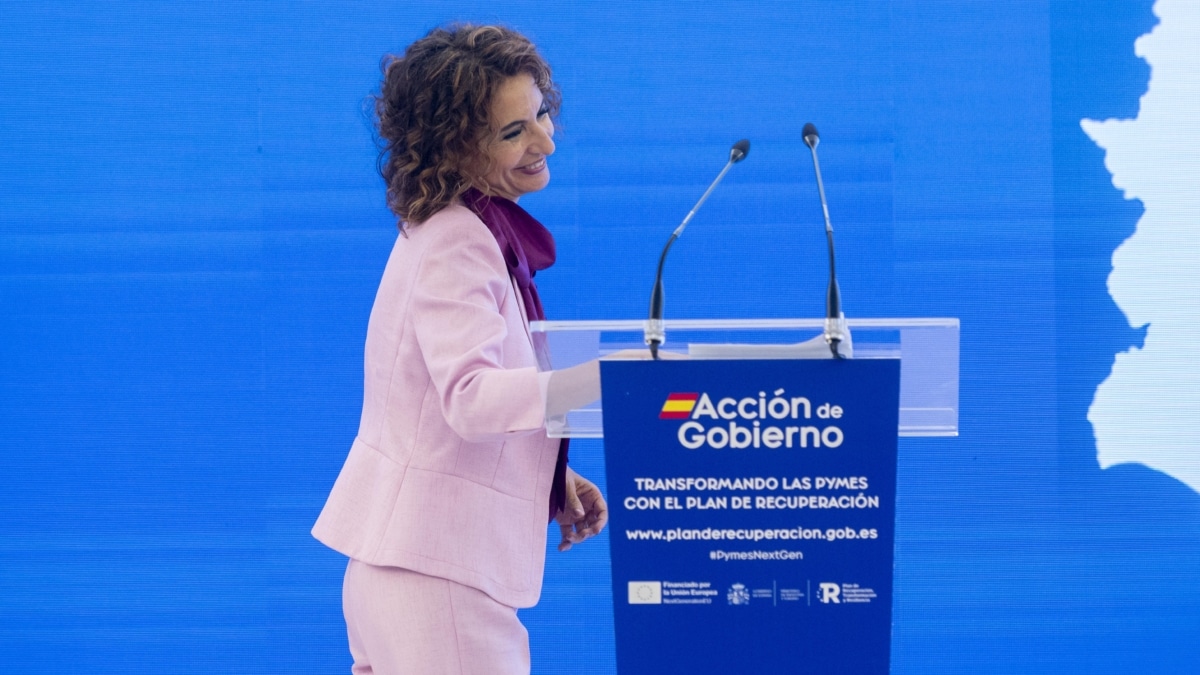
450	473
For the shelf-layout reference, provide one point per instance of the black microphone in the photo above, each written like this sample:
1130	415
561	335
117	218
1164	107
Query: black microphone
835	321
655	334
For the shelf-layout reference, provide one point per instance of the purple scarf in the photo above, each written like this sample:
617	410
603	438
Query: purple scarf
528	247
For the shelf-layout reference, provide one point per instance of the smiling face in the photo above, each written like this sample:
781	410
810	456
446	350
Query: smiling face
520	139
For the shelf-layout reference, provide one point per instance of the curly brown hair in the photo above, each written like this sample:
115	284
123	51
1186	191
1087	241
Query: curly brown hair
432	111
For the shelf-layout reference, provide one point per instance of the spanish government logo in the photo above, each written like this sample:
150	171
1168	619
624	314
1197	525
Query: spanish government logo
678	406
738	595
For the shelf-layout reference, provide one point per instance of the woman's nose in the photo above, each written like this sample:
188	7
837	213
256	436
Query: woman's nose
544	143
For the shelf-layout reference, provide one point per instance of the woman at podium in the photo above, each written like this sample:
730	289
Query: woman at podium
443	502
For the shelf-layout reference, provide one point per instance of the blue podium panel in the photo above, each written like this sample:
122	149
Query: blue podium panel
752	514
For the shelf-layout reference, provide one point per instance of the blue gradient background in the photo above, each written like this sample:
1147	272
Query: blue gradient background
191	232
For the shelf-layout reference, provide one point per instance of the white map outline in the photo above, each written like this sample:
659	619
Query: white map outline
1144	412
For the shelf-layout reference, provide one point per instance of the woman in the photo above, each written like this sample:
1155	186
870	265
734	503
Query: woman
443	502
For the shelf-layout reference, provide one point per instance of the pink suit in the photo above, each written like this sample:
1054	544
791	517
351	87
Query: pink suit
451	471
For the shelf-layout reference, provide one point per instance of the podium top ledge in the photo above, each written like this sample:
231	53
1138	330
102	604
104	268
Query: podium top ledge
733	324
927	348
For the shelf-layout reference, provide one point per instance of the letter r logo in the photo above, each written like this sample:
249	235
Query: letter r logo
830	593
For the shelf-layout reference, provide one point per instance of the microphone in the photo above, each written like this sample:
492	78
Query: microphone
654	332
835	321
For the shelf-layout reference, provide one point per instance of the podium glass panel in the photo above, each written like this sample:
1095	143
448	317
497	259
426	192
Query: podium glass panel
927	349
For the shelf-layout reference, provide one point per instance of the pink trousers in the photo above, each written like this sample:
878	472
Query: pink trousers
402	622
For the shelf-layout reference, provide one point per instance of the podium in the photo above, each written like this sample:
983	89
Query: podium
752	485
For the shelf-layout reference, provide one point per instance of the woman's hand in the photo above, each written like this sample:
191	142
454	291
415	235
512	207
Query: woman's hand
585	513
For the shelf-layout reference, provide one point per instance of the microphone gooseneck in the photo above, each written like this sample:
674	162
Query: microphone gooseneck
835	321
655	333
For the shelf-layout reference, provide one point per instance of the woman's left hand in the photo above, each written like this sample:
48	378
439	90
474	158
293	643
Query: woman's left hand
585	513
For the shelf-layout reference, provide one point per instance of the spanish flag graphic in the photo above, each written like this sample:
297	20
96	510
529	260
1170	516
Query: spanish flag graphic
678	406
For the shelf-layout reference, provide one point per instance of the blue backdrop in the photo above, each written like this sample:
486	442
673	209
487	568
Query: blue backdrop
191	232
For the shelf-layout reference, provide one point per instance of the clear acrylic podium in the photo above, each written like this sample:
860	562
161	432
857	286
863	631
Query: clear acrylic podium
927	349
